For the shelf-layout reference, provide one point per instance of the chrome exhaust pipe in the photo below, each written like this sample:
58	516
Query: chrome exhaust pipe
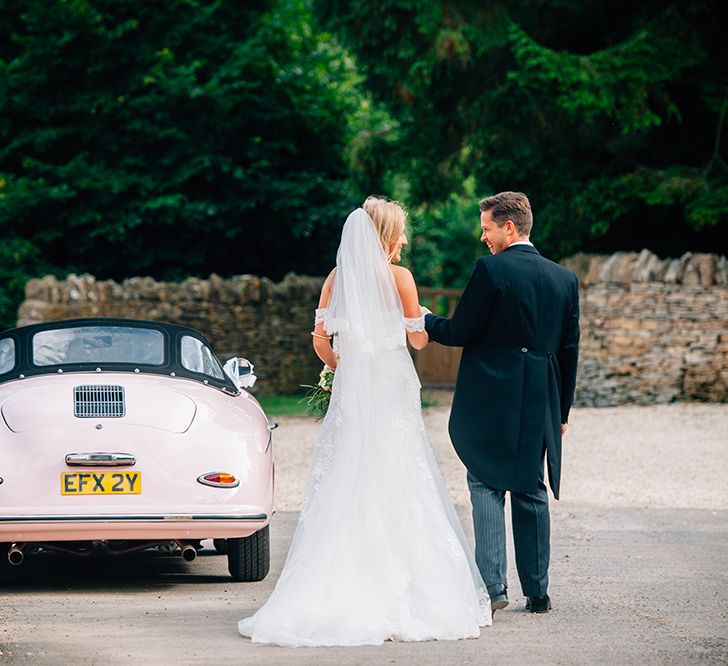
188	551
15	555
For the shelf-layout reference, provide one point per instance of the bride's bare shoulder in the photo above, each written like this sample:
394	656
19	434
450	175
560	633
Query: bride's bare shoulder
402	276
330	278
326	289
404	281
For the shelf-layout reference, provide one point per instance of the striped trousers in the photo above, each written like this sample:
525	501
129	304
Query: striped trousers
531	534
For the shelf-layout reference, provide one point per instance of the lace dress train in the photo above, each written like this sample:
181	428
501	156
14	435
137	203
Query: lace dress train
379	552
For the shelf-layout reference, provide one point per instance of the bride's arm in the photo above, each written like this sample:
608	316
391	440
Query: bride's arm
407	289
321	339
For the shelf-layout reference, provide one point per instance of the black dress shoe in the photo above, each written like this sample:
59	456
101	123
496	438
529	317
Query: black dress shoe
538	604
498	594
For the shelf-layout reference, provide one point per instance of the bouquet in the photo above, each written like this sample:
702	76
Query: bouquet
318	397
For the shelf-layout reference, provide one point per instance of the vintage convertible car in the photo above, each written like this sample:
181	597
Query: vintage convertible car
121	435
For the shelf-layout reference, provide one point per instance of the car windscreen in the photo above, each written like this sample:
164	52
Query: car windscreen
98	344
198	357
7	355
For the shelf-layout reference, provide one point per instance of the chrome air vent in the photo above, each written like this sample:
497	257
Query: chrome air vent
98	401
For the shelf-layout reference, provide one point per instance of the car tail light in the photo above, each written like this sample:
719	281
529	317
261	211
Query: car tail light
218	480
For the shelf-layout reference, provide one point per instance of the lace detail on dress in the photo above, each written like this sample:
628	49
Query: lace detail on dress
326	447
320	315
415	324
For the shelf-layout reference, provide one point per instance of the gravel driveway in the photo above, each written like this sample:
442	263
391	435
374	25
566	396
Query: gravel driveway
669	456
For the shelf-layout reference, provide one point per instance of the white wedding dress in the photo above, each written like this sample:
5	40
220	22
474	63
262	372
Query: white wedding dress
379	553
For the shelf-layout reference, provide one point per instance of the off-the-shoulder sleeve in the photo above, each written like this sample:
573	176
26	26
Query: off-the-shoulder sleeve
320	315
415	324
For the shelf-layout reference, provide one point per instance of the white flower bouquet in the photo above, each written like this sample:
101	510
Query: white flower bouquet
317	398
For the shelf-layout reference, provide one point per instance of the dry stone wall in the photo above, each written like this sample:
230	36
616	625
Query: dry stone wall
653	331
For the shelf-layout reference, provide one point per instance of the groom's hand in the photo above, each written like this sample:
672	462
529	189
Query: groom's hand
563	429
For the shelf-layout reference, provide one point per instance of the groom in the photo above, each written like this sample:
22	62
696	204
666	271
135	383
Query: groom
518	324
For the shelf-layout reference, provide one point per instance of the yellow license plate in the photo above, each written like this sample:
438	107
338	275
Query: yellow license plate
101	483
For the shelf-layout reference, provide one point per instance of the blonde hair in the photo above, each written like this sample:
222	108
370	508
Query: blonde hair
389	219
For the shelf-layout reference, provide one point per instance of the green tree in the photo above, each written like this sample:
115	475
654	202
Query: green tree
608	114
169	139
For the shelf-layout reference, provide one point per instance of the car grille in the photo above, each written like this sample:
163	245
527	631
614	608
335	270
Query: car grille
98	400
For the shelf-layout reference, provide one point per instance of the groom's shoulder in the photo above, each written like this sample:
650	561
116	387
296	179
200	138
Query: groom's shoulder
490	264
493	261
510	260
487	259
564	273
484	264
555	265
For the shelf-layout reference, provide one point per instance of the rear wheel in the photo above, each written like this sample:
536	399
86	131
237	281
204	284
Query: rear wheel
220	545
249	557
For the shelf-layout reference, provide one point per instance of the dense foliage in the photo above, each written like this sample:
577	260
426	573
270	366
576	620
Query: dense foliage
181	137
608	114
169	138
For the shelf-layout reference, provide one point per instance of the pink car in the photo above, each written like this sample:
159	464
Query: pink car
122	435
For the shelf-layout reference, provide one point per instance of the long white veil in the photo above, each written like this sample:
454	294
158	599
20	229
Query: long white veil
364	309
365	314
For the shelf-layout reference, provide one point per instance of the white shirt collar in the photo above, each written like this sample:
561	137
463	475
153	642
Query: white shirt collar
521	243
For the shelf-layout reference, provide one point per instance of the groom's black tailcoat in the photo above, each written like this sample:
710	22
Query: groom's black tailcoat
518	324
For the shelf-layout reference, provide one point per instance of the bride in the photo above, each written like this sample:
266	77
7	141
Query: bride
378	553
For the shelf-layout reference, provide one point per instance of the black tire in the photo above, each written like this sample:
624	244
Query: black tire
249	557
220	545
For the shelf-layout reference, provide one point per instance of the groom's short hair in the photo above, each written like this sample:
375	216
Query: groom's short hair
513	206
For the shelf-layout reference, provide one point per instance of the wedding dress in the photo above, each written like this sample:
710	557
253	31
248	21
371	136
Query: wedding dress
379	553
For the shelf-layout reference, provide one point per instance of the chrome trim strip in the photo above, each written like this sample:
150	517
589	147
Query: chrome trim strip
130	517
100	459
